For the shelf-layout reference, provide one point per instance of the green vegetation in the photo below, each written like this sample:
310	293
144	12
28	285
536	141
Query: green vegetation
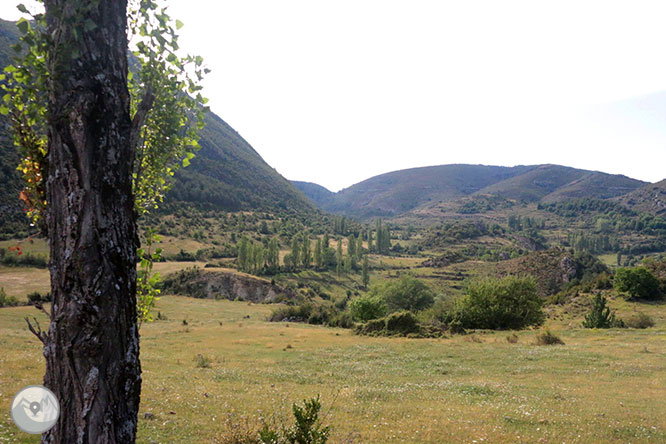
508	303
407	293
600	315
367	307
638	283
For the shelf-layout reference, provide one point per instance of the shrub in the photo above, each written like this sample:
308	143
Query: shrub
640	320
512	338
548	338
367	307
36	297
402	323
639	282
500	304
307	428
342	319
600	316
202	361
7	301
374	327
292	313
407	293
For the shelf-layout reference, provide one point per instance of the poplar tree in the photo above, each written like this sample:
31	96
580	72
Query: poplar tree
306	253
318	254
365	272
295	251
338	268
351	245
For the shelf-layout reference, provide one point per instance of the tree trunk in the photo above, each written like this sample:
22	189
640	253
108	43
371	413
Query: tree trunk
92	346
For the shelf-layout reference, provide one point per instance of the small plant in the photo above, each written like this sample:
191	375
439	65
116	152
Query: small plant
185	322
640	320
548	338
512	338
307	428
7	301
202	361
601	316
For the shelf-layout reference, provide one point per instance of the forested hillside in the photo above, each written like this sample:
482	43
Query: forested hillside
227	173
316	193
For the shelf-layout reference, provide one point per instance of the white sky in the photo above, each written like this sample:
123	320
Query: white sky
336	92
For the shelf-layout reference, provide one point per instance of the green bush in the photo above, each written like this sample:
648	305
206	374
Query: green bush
367	307
292	313
511	303
374	327
307	428
407	293
402	323
639	282
601	316
7	301
36	297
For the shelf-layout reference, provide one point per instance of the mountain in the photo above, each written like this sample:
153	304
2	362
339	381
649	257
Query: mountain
650	198
402	191
552	183
316	193
227	173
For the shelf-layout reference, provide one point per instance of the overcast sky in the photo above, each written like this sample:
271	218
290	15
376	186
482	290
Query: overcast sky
336	92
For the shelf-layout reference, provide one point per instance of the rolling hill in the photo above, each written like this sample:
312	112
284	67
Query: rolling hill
316	193
400	191
650	198
226	174
405	190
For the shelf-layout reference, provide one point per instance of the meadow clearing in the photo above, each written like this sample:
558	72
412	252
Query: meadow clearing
603	386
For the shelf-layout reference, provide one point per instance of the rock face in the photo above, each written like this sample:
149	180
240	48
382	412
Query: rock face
552	269
224	285
228	285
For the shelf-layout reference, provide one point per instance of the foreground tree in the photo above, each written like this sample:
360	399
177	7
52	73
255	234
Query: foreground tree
92	347
70	102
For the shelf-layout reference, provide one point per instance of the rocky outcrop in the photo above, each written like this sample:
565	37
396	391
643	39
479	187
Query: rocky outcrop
229	285
552	269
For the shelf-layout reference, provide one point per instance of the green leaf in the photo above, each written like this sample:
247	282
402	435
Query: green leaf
179	24
23	25
21	7
4	110
89	25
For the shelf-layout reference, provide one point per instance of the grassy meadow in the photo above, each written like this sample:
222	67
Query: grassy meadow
603	386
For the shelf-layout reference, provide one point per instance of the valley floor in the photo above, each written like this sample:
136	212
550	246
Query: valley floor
601	387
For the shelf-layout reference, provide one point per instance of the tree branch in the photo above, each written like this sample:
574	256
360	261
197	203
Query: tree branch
140	117
37	332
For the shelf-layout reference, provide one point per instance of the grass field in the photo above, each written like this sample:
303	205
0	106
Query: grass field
601	387
20	281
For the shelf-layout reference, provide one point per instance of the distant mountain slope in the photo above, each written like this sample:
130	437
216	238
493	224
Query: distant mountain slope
550	183
316	193
227	173
400	191
650	198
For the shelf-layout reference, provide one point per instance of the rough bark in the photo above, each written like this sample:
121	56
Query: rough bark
92	346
